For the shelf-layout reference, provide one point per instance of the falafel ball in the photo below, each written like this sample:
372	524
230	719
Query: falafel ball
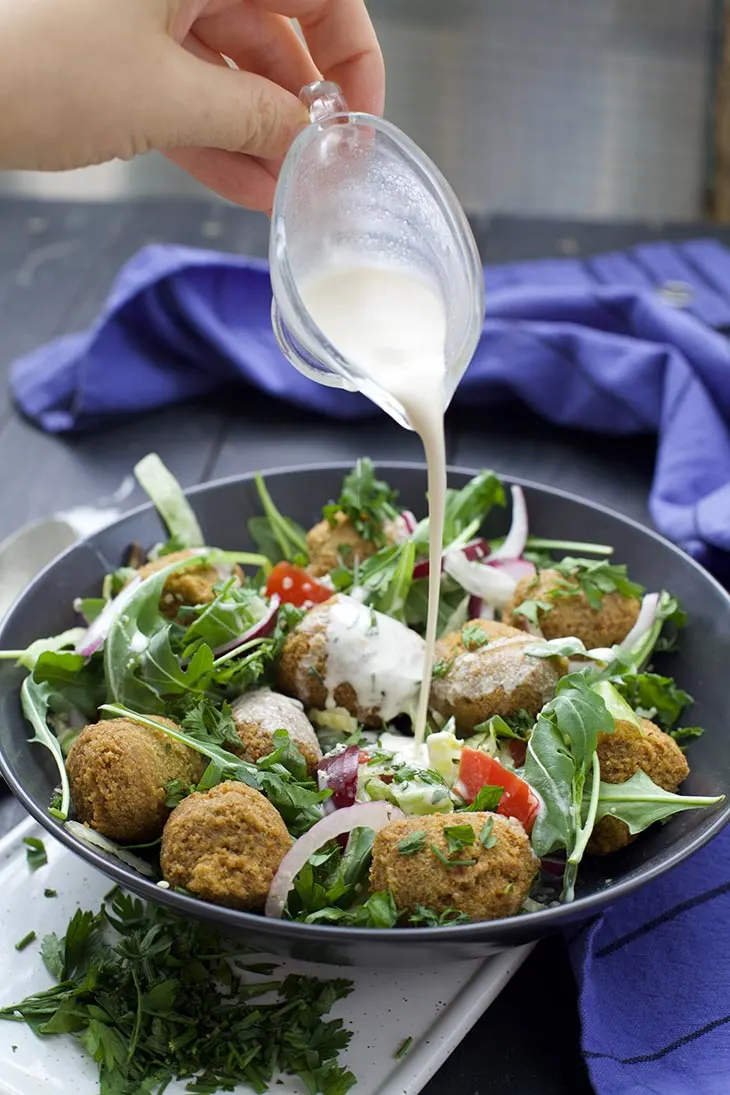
259	714
494	678
572	614
344	654
225	846
192	585
330	546
492	887
621	755
118	771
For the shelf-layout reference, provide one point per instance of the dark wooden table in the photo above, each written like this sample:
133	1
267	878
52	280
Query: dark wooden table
57	261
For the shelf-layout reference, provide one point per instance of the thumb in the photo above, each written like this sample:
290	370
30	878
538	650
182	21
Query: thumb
209	105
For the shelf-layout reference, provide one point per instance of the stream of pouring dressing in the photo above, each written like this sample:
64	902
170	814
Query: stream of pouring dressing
392	324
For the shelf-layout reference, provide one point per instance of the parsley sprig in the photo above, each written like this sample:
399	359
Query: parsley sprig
366	501
595	578
155	998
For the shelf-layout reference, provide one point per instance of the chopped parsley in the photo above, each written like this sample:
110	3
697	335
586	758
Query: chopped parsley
686	733
414	842
472	636
487	800
312	671
531	609
441	668
367	502
487	839
458	837
403	1048
653	697
448	862
595	578
50	893
26	941
35	852
155	998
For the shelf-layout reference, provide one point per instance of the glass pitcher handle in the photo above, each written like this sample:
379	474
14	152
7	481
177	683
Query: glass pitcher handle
323	99
298	357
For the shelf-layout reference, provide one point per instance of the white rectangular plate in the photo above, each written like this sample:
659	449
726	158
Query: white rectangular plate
434	1007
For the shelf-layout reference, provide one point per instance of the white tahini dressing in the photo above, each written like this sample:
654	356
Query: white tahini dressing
381	658
391	323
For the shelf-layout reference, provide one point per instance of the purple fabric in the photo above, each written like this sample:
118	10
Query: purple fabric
591	344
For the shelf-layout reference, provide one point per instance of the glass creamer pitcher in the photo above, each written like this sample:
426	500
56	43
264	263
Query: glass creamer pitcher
352	185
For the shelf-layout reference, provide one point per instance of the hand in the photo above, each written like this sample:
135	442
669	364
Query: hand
87	81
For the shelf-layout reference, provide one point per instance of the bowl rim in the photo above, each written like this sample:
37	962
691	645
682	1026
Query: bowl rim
518	927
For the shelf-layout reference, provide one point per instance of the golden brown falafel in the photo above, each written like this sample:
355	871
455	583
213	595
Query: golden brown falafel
225	846
493	887
259	714
572	614
192	585
118	771
497	678
621	755
331	546
302	666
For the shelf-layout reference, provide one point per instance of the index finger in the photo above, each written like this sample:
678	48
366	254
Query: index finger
344	47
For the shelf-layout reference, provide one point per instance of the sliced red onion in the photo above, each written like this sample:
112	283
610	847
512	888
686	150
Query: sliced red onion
644	621
258	631
423	569
409	520
95	634
364	815
514	543
339	772
478	610
553	865
476	550
516	568
492	584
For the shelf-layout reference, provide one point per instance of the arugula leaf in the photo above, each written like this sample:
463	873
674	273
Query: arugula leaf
472	636
233	611
639	802
76	681
595	578
367	502
168	498
129	647
566	647
654	697
27	658
465	509
392	600
561	753
276	536
35	853
35	700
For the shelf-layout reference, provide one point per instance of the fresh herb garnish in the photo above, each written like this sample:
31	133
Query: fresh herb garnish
403	1048
428	918
486	837
458	837
487	799
448	862
25	942
440	669
50	893
472	636
154	998
531	609
414	842
595	578
276	536
653	697
686	733
367	502
35	852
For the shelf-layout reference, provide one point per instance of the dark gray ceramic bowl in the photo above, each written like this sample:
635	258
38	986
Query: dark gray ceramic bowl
223	509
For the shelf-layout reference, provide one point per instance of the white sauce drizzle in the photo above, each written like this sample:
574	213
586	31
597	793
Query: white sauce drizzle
381	658
391	323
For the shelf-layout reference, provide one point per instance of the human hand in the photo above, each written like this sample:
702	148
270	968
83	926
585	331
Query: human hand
87	81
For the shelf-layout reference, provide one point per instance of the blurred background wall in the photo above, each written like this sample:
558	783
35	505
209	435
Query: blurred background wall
574	108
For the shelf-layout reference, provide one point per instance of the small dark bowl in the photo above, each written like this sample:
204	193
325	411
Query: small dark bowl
223	509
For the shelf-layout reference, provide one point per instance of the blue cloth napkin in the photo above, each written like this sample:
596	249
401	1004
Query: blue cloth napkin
598	344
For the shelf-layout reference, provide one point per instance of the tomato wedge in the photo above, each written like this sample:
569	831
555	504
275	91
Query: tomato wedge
296	586
477	769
